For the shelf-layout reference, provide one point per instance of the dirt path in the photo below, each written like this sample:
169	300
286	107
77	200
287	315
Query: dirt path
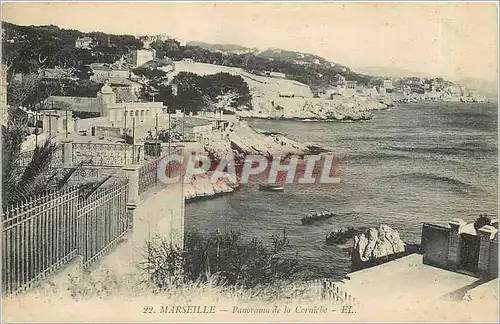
158	213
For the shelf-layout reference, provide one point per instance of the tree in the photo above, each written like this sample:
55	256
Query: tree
37	176
31	179
189	91
20	89
82	88
221	102
170	48
166	95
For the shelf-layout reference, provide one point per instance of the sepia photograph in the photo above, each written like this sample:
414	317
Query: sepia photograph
178	162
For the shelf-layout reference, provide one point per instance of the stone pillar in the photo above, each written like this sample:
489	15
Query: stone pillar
454	243
60	124
76	125
67	152
486	234
132	171
45	123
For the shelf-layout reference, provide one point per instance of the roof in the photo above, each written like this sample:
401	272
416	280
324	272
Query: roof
99	66
415	282
84	104
195	121
122	81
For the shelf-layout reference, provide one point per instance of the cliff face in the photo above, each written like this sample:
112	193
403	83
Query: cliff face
376	243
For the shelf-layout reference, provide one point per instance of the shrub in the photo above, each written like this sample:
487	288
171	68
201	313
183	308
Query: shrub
234	261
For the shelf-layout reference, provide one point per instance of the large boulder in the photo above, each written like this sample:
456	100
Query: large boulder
376	243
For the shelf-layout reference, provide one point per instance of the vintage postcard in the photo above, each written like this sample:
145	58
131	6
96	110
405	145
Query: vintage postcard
249	162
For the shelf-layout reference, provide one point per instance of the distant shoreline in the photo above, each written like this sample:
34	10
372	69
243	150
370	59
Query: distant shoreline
301	119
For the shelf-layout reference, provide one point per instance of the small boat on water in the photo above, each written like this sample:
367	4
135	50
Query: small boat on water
309	219
271	187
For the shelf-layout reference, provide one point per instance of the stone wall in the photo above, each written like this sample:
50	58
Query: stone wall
493	261
107	154
435	244
108	131
442	247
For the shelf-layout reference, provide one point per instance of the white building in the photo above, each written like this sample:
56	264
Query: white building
277	75
102	73
84	42
56	121
195	128
388	84
126	112
137	58
105	105
351	84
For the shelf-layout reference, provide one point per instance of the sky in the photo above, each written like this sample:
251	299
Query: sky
452	40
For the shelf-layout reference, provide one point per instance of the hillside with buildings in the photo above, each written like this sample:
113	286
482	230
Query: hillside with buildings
275	96
283	84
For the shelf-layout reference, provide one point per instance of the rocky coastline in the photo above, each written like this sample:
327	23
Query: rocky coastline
239	140
371	246
356	107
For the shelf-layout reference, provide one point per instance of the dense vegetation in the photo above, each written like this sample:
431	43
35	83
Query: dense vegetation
194	92
28	49
237	262
315	75
24	47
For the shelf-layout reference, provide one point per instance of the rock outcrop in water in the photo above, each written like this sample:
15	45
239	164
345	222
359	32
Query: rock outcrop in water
200	187
376	243
344	236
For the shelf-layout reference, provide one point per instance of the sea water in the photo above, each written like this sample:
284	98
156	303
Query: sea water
425	162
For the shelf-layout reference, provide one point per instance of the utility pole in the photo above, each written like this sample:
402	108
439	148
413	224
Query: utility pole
50	120
169	141
183	120
133	139
36	125
125	133
217	233
66	112
182	183
156	144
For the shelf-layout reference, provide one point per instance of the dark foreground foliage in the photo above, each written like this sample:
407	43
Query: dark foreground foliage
229	257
